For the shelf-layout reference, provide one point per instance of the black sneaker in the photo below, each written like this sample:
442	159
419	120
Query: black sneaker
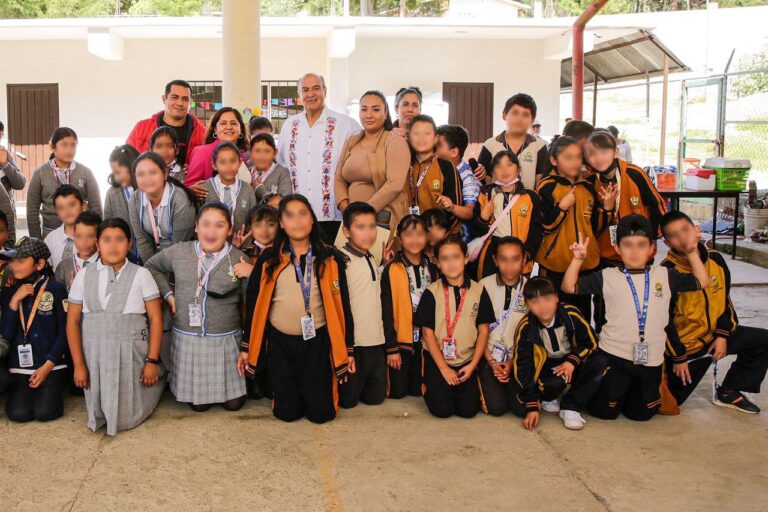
735	400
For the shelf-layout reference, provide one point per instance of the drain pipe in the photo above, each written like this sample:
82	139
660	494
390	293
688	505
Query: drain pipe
577	70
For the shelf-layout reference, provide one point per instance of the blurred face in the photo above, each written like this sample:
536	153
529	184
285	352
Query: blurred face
3	234
445	151
543	307
122	174
177	102
150	179
263	129
506	170
228	128
510	261
64	151
362	231
165	147
422	137
22	268
296	220
213	228
68	208
435	234
373	113
85	239
414	240
227	164
568	162
681	236
408	108
635	251
536	129
600	159
262	155
113	246
451	261
264	231
518	119
312	93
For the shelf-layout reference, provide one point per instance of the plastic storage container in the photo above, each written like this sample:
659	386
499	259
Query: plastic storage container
700	179
732	173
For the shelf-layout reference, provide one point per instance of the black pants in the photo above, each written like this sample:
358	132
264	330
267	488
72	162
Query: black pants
5	377
300	375
583	302
498	398
329	229
749	344
257	386
406	380
444	400
628	388
369	382
44	403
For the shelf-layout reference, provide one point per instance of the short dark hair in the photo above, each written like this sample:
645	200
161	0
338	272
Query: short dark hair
423	118
538	287
266	138
259	123
163	131
354	210
214	205
523	100
559	144
222	146
89	218
454	239
614	131
436	217
602	139
116	223
502	154
262	212
410	221
456	136
65	191
510	240
3	216
578	129
407	90
178	82
673	216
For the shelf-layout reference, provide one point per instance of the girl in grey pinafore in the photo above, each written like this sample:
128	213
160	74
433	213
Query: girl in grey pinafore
115	345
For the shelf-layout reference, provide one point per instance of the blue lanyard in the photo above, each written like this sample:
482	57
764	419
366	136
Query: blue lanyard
642	313
306	284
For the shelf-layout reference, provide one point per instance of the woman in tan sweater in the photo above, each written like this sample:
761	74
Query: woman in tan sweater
374	163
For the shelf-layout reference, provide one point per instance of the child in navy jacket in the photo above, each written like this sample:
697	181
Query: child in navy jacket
34	323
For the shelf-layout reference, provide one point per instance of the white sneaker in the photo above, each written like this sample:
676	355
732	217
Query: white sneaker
572	420
552	406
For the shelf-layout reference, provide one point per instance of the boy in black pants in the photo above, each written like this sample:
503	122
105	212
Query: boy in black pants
554	347
637	299
707	328
368	359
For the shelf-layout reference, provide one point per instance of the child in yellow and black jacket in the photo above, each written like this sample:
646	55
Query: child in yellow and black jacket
570	206
707	328
523	218
554	346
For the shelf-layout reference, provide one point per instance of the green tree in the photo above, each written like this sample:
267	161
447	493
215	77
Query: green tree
753	83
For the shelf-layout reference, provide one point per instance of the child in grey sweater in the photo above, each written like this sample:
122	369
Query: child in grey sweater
267	176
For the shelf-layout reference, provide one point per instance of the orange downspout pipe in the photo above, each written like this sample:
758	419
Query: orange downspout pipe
577	70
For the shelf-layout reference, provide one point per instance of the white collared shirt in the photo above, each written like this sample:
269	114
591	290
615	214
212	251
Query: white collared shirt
144	288
309	147
56	241
80	262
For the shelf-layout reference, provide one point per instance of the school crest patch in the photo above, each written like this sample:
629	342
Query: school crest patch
244	204
524	210
634	200
336	288
436	184
659	293
715	286
81	183
526	157
46	302
475	310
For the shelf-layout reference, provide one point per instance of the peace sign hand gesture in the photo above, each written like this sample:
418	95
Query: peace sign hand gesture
608	195
579	249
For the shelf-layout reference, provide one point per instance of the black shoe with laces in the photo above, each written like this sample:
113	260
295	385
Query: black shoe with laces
735	400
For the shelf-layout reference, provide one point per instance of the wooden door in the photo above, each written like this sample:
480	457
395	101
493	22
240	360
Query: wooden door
471	106
33	114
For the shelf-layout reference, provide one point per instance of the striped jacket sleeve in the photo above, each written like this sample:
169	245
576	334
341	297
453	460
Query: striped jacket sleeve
524	368
584	338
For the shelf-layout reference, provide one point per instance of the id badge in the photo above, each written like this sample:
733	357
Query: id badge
499	353
414	210
195	315
449	349
640	353
25	356
416	335
612	232
308	327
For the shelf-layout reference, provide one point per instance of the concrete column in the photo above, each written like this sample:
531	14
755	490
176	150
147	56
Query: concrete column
241	47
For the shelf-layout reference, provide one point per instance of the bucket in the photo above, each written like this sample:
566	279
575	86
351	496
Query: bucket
755	218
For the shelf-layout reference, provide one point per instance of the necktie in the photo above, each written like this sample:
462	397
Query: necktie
227	196
85	263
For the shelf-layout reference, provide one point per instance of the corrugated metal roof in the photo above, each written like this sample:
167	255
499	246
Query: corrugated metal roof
631	57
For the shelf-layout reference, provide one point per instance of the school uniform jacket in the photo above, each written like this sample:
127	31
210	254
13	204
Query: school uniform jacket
533	156
397	304
562	227
335	297
636	195
524	219
246	199
277	181
442	178
570	338
497	292
116	207
700	316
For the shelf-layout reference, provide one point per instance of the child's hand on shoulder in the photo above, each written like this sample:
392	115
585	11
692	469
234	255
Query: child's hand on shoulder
531	420
242	268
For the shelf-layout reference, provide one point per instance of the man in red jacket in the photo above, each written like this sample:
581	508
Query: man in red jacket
190	132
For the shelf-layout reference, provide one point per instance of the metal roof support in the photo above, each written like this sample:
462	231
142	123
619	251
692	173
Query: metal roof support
577	69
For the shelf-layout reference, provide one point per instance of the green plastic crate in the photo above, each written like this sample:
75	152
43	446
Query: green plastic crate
731	174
